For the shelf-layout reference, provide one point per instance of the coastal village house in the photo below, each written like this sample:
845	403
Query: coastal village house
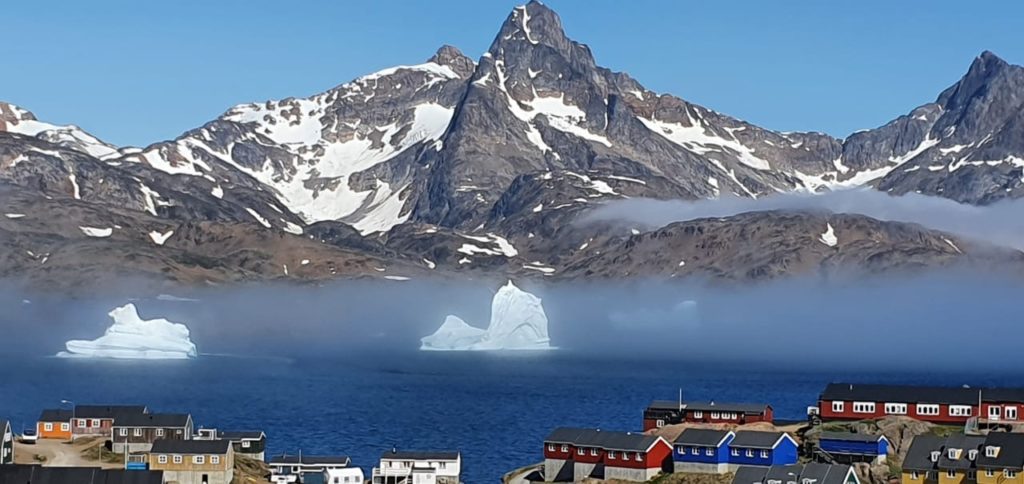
6	443
36	474
136	432
193	461
54	424
347	475
98	420
762	448
704	451
246	443
997	458
413	467
664	412
811	473
942	405
572	454
848	447
306	468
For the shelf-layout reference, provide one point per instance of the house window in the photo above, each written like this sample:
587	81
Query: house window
162	459
694	451
991	451
990	473
81	423
698	414
715	415
951	474
159	432
972	454
735	452
914	475
625	456
215	459
659	423
639	457
1010	474
48	427
551	447
1011	413
123	431
593	451
863	407
972	475
177	459
764	454
64	426
896	409
709	452
198	459
837	407
959	411
245	444
750	452
95	423
611	455
579	451
681	450
953	454
137	432
565	448
927	409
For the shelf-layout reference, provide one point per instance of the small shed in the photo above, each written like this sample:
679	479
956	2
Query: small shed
847	447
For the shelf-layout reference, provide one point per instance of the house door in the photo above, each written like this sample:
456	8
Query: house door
206	479
993	412
1011	413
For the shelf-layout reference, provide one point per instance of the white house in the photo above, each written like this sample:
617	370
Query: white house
349	475
406	467
286	469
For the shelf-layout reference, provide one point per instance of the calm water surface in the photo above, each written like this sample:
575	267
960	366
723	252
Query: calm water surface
496	409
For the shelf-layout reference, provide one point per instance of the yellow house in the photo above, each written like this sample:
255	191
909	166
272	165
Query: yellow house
934	460
193	461
1001	459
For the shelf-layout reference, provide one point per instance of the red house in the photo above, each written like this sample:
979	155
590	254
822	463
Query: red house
572	454
944	405
92	420
663	412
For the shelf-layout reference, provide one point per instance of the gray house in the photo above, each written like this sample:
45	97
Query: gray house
137	432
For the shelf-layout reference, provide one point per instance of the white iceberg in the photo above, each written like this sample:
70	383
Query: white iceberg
131	337
518	322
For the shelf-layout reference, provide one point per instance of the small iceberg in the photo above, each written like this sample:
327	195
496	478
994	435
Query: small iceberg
518	322
131	337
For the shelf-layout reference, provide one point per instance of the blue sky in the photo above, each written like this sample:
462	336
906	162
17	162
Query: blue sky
136	72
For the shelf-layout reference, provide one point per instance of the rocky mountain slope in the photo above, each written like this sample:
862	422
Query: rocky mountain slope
456	165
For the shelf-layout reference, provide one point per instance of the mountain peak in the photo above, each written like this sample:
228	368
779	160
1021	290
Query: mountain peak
452	57
11	114
983	70
533	23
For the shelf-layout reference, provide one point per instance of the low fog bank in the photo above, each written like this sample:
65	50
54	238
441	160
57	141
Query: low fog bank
1000	223
948	320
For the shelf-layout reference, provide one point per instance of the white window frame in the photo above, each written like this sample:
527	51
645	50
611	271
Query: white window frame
715	416
159	432
659	423
565	448
639	457
990	473
1010	409
162	459
698	414
198	459
914	475
551	447
177	459
896	409
735	452
81	423
215	459
694	451
838	406
580	451
863	407
960	411
625	456
750	452
991	451
710	452
123	431
48	426
927	409
1009	474
951	473
95	423
593	451
137	431
611	454
65	426
952	453
764	454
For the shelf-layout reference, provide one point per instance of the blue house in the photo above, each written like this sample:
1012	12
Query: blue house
703	451
848	447
761	448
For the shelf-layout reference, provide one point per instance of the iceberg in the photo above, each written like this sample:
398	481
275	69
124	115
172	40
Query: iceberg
518	322
131	337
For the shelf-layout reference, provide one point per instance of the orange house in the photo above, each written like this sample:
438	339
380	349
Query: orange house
54	424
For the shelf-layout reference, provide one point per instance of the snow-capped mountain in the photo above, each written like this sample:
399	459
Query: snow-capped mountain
462	164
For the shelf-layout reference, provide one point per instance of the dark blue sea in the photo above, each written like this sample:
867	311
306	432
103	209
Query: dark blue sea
496	409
